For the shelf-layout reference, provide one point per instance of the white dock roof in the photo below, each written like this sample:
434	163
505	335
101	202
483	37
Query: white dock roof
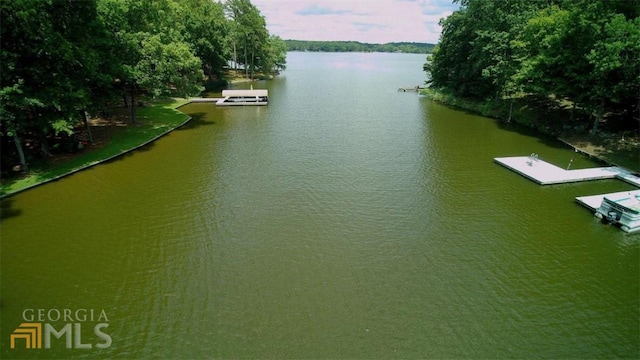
259	92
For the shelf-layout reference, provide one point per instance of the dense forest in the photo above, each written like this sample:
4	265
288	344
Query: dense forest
581	54
354	46
63	60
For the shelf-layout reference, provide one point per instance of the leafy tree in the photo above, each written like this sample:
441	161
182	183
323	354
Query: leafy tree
50	66
149	36
614	60
448	66
249	33
583	51
130	22
206	30
168	69
277	54
60	60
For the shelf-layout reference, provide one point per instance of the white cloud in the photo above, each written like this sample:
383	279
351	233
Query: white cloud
371	21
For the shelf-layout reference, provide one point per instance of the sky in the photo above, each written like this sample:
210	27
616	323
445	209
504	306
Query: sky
368	21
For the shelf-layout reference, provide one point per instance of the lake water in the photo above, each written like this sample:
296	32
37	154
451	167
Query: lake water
344	220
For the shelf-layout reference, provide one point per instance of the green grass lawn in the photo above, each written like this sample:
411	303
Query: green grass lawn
153	121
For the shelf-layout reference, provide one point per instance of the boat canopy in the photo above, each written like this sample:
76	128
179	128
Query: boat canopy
245	93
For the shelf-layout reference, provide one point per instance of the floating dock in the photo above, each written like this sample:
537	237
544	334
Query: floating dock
545	173
622	208
244	97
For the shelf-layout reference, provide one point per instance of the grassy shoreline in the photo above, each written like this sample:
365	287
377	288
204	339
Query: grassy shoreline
154	121
619	149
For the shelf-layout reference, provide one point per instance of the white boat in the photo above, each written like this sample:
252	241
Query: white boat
244	97
623	210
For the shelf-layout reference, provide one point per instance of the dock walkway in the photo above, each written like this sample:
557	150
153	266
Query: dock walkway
545	173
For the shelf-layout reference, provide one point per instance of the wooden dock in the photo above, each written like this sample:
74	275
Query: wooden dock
545	173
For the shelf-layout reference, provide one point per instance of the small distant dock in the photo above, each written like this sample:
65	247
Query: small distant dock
545	173
410	89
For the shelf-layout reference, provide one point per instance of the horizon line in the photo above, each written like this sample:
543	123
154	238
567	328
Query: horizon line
361	42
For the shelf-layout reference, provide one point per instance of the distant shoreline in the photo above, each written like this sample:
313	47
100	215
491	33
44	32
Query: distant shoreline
356	46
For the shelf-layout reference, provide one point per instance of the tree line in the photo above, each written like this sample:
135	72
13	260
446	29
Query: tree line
582	53
62	60
355	46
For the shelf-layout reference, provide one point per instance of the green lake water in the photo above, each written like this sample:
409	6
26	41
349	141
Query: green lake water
344	220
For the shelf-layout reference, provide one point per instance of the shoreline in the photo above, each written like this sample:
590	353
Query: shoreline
7	186
529	121
175	105
584	151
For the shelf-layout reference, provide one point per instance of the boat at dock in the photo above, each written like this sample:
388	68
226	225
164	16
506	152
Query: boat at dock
621	209
244	97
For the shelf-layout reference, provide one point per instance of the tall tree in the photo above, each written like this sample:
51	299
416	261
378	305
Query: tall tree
49	67
583	51
154	55
277	54
168	69
449	66
250	33
206	30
